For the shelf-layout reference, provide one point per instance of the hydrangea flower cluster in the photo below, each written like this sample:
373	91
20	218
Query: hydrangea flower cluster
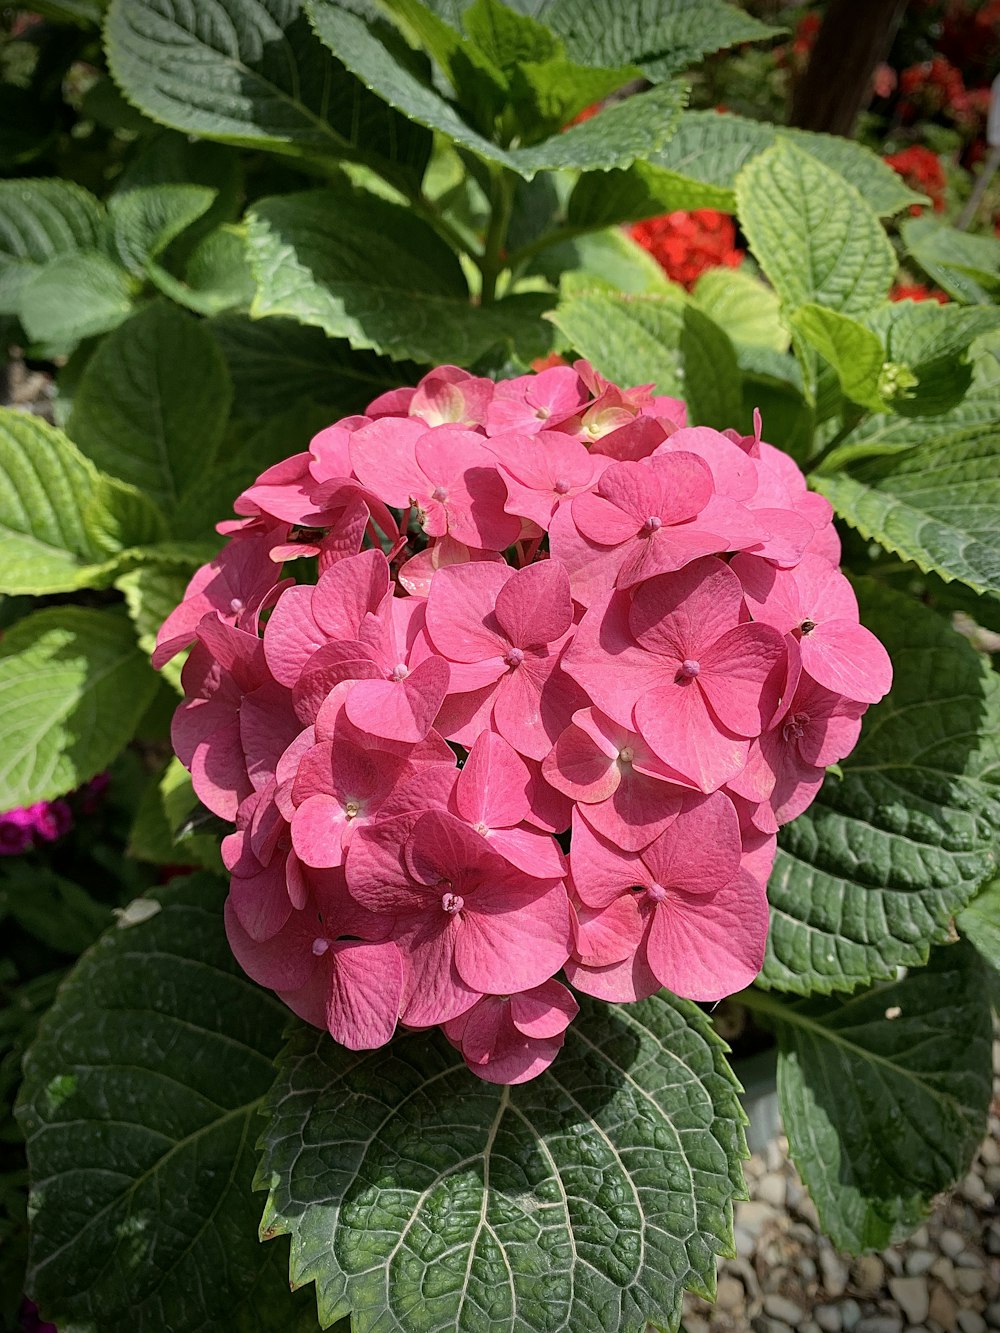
564	667
686	244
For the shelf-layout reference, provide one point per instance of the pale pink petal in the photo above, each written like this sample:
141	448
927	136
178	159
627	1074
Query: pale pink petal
708	947
345	594
292	635
711	826
845	657
632	979
509	943
366	991
492	788
544	1011
383	456
283	962
609	934
742	675
679	615
433	992
676	722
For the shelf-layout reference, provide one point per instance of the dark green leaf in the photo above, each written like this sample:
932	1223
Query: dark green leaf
884	1096
140	1109
73	686
216	275
253	75
367	270
712	380
630	339
967	267
587	1199
52	908
39	220
74	297
870	876
152	404
145	220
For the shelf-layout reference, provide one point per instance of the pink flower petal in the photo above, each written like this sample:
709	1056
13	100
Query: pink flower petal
401	710
461	608
534	607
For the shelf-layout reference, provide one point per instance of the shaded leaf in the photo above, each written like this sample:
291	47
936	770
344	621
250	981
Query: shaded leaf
712	380
75	296
967	267
39	220
585	1199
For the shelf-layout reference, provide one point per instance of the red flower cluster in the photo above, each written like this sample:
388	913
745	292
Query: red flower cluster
686	244
566	667
916	291
922	171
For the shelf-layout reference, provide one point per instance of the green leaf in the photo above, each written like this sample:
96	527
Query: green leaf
367	270
39	220
884	1096
120	516
980	923
139	1106
46	491
52	908
665	36
151	593
145	220
152	404
615	138
745	307
73	686
216	276
870	876
75	297
83	12
930	343
275	363
812	233
712	379
602	259
967	267
851	348
586	1199
938	505
630	339
253	75
698	165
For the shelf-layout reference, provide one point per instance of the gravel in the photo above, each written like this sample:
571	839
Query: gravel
788	1276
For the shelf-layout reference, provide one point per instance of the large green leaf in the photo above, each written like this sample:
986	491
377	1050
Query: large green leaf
372	49
745	307
938	505
140	1105
146	219
630	339
853	350
46	490
75	296
884	1096
276	363
980	923
967	267
367	270
663	36
152	404
812	233
253	74
930	344
712	379
698	166
73	686
871	875
216	275
420	1198
40	219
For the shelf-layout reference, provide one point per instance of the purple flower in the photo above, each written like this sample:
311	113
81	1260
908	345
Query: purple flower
52	819
17	831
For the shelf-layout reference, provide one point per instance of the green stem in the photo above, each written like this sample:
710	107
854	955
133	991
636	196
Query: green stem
427	209
841	435
493	261
761	1002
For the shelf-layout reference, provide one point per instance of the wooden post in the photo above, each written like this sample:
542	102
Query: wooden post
855	36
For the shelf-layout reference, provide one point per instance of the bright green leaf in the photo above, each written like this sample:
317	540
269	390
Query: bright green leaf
619	135
152	404
698	165
602	258
931	344
884	1096
145	220
743	305
400	291
39	220
253	75
586	1199
712	380
46	490
73	686
630	339
120	516
852	349
663	36
967	267
980	923
871	875
812	233
140	1107
151	593
74	297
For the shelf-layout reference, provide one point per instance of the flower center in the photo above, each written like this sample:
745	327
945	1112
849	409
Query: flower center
807	626
688	669
652	524
561	486
399	672
236	605
352	809
514	658
626	754
483	829
320	946
657	892
440	494
452	903
793	727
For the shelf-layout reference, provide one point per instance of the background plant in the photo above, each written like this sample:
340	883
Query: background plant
228	224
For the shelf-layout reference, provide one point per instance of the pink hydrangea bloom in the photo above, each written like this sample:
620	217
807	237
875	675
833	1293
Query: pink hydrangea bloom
565	666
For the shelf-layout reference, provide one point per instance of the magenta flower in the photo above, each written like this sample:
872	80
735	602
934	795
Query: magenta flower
503	631
543	471
17	832
513	1038
527	404
816	603
469	924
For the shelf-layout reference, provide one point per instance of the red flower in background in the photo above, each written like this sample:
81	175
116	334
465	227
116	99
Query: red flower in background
916	291
686	244
922	170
